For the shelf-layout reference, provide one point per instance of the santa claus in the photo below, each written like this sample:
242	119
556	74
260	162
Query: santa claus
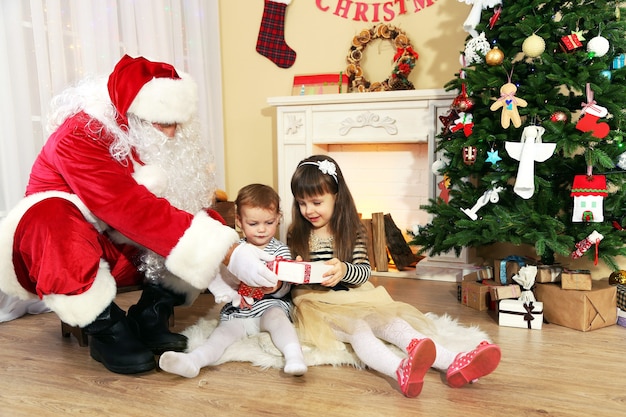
119	195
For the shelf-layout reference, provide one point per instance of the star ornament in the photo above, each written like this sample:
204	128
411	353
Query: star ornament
493	157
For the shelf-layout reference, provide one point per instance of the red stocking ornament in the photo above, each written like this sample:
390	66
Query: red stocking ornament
583	246
271	41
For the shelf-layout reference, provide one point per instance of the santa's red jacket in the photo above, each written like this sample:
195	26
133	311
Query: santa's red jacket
76	166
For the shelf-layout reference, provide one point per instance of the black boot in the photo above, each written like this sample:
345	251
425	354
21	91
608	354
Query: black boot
112	342
149	319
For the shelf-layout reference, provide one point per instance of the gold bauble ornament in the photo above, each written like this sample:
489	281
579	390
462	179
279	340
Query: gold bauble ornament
533	46
494	57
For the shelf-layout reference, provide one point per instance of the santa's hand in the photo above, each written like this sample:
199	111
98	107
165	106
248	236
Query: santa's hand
248	263
223	292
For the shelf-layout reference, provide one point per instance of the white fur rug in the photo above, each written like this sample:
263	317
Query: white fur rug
260	351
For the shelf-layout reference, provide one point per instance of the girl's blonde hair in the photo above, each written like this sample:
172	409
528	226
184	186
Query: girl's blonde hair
315	176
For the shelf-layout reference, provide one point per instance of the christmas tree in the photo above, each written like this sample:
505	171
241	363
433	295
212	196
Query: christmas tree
532	149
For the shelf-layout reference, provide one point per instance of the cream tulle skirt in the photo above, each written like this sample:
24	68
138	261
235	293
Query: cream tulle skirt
319	312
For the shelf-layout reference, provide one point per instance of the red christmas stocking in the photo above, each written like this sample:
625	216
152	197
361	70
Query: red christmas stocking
271	41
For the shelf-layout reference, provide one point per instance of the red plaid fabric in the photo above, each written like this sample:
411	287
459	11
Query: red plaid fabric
271	41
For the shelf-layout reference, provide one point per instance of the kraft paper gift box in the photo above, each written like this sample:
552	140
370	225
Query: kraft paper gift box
299	272
548	273
476	294
579	279
518	313
579	310
501	292
504	269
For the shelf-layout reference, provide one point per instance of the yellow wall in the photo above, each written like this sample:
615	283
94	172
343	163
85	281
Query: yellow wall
321	41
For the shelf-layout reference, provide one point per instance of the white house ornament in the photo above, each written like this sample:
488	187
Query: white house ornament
590	114
490	196
588	192
533	46
509	104
529	150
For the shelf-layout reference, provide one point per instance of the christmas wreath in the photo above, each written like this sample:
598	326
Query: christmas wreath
404	60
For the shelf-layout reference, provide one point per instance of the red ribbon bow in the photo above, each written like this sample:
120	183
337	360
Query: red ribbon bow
402	51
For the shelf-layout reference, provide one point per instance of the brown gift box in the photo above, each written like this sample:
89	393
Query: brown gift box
579	310
475	294
512	265
548	273
576	280
501	292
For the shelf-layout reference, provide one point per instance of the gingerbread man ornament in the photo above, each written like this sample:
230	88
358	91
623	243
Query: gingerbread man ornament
509	104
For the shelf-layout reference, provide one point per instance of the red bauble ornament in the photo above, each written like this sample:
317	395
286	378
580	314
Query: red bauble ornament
462	103
558	116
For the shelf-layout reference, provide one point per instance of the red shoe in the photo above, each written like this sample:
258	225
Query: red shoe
421	356
470	366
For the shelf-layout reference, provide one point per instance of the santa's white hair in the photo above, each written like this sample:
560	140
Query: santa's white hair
183	164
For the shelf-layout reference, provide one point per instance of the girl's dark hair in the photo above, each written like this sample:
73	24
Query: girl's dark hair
309	180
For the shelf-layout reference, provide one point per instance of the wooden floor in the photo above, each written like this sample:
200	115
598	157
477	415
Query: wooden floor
555	371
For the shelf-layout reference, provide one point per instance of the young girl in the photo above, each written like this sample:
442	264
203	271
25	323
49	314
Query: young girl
346	307
257	215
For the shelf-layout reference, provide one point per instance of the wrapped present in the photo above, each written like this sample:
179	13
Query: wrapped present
570	43
517	313
320	84
476	294
299	272
579	310
501	292
621	317
619	61
548	273
504	269
579	279
621	296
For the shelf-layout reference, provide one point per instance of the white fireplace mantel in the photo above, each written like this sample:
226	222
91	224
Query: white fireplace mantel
310	124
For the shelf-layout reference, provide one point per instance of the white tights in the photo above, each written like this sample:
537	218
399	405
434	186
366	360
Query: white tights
366	342
274	321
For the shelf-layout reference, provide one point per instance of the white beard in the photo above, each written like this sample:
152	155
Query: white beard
186	177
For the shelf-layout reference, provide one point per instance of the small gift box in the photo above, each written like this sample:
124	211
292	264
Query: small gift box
320	84
517	313
621	317
501	292
570	43
579	310
619	61
579	279
621	296
299	272
548	273
476	294
504	269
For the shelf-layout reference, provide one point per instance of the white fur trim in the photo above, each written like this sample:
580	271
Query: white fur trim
82	309
152	177
166	100
282	1
197	256
8	278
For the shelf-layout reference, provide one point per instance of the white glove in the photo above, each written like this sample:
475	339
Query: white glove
248	263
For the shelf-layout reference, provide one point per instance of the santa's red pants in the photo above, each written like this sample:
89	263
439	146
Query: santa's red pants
57	251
